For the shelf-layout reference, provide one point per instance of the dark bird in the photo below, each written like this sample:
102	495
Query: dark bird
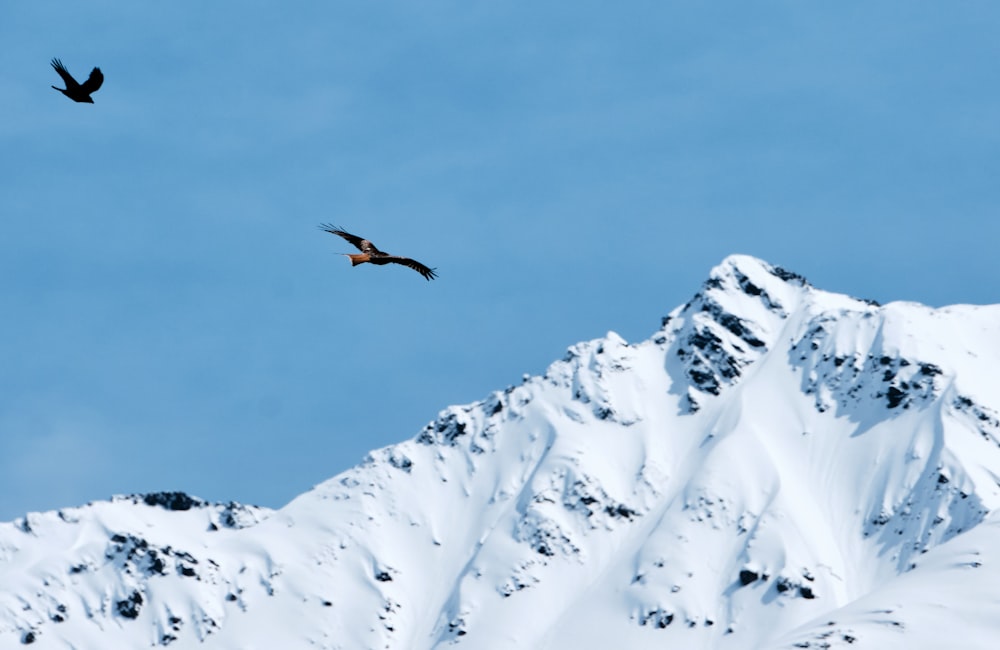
373	255
78	92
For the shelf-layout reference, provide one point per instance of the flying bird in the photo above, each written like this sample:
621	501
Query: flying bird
373	255
78	92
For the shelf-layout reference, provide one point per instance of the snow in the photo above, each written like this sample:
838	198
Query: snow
775	467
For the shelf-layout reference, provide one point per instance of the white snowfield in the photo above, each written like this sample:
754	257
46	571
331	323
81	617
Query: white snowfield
776	467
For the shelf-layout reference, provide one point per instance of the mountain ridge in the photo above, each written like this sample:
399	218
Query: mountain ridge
770	460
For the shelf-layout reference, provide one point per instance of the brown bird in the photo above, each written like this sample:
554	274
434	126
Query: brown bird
78	92
373	255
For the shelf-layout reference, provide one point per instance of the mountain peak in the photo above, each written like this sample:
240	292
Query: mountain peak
747	288
729	324
776	467
747	270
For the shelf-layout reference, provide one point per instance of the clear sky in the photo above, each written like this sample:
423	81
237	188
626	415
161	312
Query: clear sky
171	318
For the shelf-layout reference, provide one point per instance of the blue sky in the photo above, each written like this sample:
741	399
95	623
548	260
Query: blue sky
172	318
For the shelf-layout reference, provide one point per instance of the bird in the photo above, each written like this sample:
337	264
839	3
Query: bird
75	91
373	255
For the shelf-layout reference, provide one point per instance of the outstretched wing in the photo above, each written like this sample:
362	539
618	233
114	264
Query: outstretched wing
93	82
66	76
353	239
423	270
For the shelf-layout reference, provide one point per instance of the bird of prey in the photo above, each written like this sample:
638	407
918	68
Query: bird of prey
374	256
78	92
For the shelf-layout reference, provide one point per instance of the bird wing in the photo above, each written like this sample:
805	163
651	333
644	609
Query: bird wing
423	270
353	239
64	73
93	82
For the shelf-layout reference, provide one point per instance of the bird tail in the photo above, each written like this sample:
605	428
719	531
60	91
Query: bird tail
356	258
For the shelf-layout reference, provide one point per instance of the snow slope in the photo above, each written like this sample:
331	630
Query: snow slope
776	467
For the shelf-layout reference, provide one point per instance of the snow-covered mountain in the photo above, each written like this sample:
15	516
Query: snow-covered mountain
776	467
